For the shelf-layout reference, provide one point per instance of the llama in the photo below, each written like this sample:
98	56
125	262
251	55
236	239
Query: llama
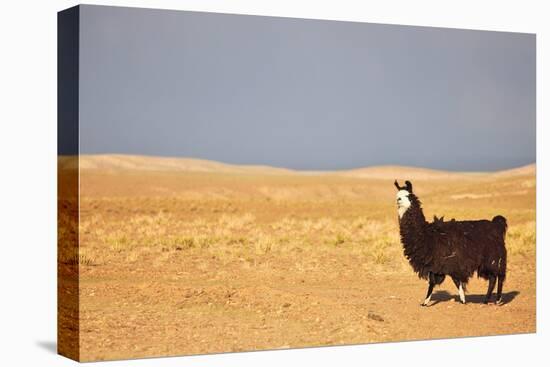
454	248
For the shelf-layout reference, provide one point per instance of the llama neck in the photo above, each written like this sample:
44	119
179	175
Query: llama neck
412	224
416	245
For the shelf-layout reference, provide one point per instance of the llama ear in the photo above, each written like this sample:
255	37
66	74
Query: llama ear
397	185
409	186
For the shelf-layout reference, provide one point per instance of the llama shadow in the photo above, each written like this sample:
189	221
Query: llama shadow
444	296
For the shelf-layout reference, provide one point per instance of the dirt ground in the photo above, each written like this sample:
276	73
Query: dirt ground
175	263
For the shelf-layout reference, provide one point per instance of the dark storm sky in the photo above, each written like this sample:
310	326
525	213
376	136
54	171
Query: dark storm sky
304	94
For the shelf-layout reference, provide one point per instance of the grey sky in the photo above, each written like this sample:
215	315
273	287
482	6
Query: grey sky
304	94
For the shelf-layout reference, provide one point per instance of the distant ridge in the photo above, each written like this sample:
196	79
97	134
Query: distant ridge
417	173
115	162
530	169
404	172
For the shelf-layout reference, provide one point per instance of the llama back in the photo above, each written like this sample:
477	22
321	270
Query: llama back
476	231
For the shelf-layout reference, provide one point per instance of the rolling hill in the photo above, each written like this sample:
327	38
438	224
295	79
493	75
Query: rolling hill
115	162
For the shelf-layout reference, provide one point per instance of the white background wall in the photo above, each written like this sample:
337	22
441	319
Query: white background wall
28	180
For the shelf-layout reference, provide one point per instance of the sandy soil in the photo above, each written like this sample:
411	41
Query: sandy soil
179	262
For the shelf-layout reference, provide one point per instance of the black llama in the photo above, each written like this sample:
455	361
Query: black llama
454	248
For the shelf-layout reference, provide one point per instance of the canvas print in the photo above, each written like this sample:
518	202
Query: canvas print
240	183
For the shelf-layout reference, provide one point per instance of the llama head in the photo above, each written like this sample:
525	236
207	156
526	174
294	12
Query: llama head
403	200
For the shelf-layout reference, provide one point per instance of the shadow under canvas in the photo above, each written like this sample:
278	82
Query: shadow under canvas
48	345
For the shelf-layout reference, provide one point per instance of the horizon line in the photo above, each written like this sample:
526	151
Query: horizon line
387	165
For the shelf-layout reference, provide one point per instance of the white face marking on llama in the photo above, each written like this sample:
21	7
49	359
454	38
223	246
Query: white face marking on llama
403	202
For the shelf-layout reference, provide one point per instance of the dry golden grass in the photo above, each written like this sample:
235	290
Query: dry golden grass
177	262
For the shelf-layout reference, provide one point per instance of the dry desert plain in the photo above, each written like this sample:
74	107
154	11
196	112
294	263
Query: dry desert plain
183	256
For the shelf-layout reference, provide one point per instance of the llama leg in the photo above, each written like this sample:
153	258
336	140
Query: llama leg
499	289
492	281
432	282
461	293
429	294
457	283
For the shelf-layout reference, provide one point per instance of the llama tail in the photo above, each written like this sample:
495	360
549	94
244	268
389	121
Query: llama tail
502	225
